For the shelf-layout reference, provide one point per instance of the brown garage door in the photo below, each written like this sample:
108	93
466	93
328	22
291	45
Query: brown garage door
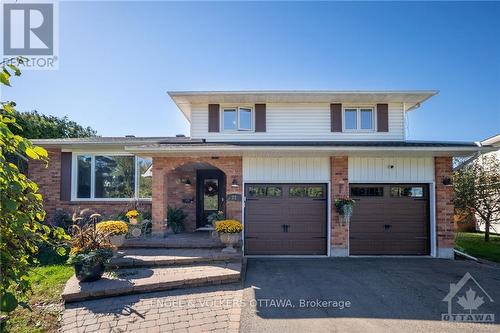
390	219
285	219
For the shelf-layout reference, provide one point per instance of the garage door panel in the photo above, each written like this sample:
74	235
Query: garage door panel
390	221
293	223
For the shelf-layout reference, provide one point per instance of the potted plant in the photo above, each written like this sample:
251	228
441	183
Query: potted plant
215	216
116	230
344	207
132	216
230	233
90	252
175	219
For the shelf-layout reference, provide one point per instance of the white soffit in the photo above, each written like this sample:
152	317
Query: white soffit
412	98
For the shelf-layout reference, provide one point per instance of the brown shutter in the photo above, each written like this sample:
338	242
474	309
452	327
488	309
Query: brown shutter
66	176
260	117
336	117
213	117
382	118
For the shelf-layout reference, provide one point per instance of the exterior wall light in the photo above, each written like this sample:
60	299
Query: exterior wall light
447	181
235	183
186	182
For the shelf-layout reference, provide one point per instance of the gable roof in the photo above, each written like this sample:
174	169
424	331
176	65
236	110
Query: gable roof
412	98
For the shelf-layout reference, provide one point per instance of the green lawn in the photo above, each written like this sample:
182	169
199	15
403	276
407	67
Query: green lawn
474	244
45	301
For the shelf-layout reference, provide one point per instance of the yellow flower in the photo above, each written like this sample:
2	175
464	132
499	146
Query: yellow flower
132	214
112	227
228	226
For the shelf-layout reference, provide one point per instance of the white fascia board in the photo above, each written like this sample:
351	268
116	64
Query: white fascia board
453	151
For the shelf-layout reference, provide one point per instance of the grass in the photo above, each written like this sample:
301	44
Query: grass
44	300
473	243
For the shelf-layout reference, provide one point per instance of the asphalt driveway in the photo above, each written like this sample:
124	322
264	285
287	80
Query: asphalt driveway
367	295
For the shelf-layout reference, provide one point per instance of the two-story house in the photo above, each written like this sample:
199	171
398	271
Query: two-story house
276	160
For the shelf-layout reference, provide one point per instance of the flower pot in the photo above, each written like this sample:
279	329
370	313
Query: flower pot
89	273
132	220
229	240
117	240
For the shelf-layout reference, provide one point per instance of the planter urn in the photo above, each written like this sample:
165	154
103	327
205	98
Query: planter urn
87	273
229	240
117	240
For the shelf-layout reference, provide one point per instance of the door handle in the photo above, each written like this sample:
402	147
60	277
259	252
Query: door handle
285	227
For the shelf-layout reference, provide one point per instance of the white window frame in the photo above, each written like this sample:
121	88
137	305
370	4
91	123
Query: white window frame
74	177
358	119
238	125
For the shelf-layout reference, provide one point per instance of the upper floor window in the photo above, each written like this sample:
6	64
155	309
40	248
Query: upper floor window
237	119
111	177
359	119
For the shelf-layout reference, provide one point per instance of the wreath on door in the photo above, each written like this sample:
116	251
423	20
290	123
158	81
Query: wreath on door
211	188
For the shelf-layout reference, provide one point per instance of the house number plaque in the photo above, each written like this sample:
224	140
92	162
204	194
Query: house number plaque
234	197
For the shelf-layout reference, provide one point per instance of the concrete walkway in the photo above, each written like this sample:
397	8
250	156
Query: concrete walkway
204	309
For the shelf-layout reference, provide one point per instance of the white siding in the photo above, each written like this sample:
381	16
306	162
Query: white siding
286	169
377	169
298	122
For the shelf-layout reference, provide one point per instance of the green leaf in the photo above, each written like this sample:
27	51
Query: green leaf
17	71
61	251
4	79
9	302
31	153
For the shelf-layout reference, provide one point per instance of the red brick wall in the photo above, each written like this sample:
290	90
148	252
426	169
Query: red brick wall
339	187
444	206
167	189
48	178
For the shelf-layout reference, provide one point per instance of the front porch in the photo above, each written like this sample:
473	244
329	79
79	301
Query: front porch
198	186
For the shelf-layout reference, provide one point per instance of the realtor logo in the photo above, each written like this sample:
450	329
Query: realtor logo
466	297
30	30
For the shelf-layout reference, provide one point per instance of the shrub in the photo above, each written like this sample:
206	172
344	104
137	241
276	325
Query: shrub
113	227
176	218
228	226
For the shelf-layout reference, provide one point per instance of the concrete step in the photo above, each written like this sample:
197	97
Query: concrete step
200	241
142	280
149	257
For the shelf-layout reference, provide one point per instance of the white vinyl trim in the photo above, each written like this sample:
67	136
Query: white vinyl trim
432	218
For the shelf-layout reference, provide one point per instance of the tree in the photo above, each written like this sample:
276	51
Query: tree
21	209
39	126
477	191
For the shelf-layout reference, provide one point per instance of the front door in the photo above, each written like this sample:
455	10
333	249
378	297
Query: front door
210	195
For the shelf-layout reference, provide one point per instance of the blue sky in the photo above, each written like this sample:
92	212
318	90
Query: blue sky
118	59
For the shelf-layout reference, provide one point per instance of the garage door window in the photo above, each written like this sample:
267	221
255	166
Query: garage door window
407	191
305	192
264	191
367	191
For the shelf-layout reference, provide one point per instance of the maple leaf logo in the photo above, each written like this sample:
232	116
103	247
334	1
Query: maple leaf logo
470	301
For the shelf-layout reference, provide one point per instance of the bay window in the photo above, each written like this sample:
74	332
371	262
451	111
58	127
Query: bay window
111	177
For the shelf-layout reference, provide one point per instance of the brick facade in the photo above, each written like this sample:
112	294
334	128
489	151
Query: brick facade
48	178
169	190
444	207
339	187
